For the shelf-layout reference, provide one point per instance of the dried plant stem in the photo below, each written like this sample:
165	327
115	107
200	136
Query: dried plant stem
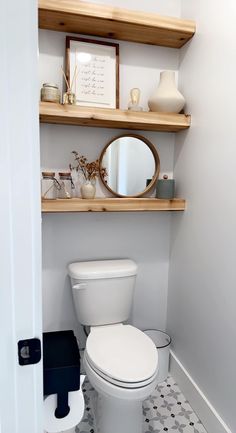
68	87
90	170
75	75
83	171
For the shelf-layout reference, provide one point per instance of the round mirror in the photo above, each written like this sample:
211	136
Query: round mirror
129	166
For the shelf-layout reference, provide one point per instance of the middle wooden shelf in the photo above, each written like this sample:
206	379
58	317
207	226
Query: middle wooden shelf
112	118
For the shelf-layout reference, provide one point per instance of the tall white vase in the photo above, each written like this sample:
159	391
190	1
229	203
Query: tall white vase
167	98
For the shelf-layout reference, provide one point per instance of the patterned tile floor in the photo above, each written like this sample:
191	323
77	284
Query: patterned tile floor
166	410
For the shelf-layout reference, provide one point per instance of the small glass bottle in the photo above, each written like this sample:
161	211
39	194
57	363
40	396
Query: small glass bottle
66	185
49	185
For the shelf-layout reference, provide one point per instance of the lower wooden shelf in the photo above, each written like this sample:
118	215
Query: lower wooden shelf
112	205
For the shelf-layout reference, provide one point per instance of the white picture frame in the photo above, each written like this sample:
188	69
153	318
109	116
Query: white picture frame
93	66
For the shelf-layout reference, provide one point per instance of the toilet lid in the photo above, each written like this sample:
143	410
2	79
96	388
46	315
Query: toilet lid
122	352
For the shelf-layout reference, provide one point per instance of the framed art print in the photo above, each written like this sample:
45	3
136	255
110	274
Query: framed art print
93	66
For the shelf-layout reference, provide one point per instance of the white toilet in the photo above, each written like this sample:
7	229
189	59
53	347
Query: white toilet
120	361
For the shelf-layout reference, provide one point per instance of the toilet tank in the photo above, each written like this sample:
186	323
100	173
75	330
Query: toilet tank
103	290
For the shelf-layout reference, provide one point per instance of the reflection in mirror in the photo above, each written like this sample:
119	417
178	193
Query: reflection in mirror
132	166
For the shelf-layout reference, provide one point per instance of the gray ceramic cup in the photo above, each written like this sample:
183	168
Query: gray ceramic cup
165	188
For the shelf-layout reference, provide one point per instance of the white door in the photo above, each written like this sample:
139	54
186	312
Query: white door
20	236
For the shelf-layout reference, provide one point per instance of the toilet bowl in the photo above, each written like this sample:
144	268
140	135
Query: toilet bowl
121	362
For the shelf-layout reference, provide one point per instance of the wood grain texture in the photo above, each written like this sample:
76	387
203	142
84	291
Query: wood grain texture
112	205
86	18
109	118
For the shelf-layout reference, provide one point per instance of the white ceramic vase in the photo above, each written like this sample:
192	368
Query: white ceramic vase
167	97
88	190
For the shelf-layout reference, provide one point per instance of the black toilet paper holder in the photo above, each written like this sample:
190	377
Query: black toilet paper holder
61	368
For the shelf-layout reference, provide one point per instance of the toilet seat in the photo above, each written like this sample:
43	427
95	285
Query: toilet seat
122	354
127	385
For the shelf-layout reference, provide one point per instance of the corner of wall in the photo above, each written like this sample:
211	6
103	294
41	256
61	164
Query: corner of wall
210	418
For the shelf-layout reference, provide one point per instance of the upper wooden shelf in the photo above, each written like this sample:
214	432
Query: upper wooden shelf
109	118
112	205
86	18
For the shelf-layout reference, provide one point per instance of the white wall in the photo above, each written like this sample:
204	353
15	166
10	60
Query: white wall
143	237
140	64
202	297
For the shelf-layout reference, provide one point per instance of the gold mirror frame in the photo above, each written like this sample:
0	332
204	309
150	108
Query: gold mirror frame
157	165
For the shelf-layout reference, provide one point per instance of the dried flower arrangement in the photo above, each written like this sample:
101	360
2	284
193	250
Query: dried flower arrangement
90	170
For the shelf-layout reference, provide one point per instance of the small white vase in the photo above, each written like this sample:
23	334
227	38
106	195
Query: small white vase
167	97
88	190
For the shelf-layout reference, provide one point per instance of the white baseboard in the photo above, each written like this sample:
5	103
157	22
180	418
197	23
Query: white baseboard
209	417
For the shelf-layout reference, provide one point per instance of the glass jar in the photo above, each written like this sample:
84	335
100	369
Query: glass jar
50	93
49	185
66	185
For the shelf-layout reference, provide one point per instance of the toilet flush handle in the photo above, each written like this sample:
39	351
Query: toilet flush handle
79	286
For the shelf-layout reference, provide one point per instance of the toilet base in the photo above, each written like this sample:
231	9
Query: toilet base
117	409
116	416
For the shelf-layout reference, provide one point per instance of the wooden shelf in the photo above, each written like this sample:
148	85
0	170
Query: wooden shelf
112	205
108	118
74	16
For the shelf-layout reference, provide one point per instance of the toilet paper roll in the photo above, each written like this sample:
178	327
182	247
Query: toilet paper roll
76	403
